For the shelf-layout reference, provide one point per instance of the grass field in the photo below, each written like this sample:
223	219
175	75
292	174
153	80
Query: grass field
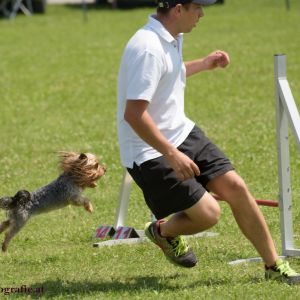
58	92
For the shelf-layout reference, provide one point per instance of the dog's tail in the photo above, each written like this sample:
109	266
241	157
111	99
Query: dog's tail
19	199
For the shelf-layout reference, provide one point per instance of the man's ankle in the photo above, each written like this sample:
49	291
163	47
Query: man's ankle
162	230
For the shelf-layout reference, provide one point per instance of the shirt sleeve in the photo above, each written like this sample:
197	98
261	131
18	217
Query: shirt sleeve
143	75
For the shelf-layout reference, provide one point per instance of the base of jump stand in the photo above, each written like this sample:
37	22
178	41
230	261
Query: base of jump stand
142	238
249	260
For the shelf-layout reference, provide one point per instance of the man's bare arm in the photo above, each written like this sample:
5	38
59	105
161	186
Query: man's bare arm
213	60
139	119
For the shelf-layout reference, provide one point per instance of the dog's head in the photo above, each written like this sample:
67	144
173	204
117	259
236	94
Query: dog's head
84	168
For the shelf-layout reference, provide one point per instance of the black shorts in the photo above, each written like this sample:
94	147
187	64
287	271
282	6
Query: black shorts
164	193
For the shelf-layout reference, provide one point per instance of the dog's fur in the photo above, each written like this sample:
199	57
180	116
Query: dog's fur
79	170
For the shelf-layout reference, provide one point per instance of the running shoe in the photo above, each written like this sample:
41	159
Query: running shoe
175	249
282	272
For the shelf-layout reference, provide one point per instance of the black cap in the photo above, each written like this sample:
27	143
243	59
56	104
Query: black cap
172	3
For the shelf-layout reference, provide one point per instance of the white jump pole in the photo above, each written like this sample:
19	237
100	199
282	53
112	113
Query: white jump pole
122	209
286	113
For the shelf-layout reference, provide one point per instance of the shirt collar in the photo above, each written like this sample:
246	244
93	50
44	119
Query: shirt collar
159	28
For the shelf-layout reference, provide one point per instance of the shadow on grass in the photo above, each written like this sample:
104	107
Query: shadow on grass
133	285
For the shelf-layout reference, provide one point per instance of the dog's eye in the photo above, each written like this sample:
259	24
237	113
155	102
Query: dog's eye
96	166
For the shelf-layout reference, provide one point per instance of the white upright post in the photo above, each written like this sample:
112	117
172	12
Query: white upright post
285	199
286	112
124	197
121	212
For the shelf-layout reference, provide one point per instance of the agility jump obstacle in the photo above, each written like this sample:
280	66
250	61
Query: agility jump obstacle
286	114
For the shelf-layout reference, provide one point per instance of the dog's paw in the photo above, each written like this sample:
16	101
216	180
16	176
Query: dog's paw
88	207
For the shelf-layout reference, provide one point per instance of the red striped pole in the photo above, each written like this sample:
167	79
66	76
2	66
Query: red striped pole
267	202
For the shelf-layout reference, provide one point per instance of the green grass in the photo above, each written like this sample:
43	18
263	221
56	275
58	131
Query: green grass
58	92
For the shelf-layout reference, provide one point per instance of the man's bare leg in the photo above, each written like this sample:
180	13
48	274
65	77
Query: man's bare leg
231	188
201	216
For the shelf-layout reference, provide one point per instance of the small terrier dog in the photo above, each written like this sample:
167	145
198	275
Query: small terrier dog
79	171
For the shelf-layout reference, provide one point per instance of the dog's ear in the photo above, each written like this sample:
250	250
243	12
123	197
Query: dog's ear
82	156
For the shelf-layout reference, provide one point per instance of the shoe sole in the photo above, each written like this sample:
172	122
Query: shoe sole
290	280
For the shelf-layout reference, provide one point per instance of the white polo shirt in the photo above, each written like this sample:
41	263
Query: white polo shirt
152	69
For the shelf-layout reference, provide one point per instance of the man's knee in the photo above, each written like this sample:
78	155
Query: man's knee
229	185
233	189
207	210
213	213
238	185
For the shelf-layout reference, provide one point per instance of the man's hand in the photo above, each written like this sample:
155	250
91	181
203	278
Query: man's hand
183	166
216	59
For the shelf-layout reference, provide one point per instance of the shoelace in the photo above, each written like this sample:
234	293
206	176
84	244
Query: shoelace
285	269
179	245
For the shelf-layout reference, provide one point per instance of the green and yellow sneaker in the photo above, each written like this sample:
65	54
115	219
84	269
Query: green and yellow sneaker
282	272
176	249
